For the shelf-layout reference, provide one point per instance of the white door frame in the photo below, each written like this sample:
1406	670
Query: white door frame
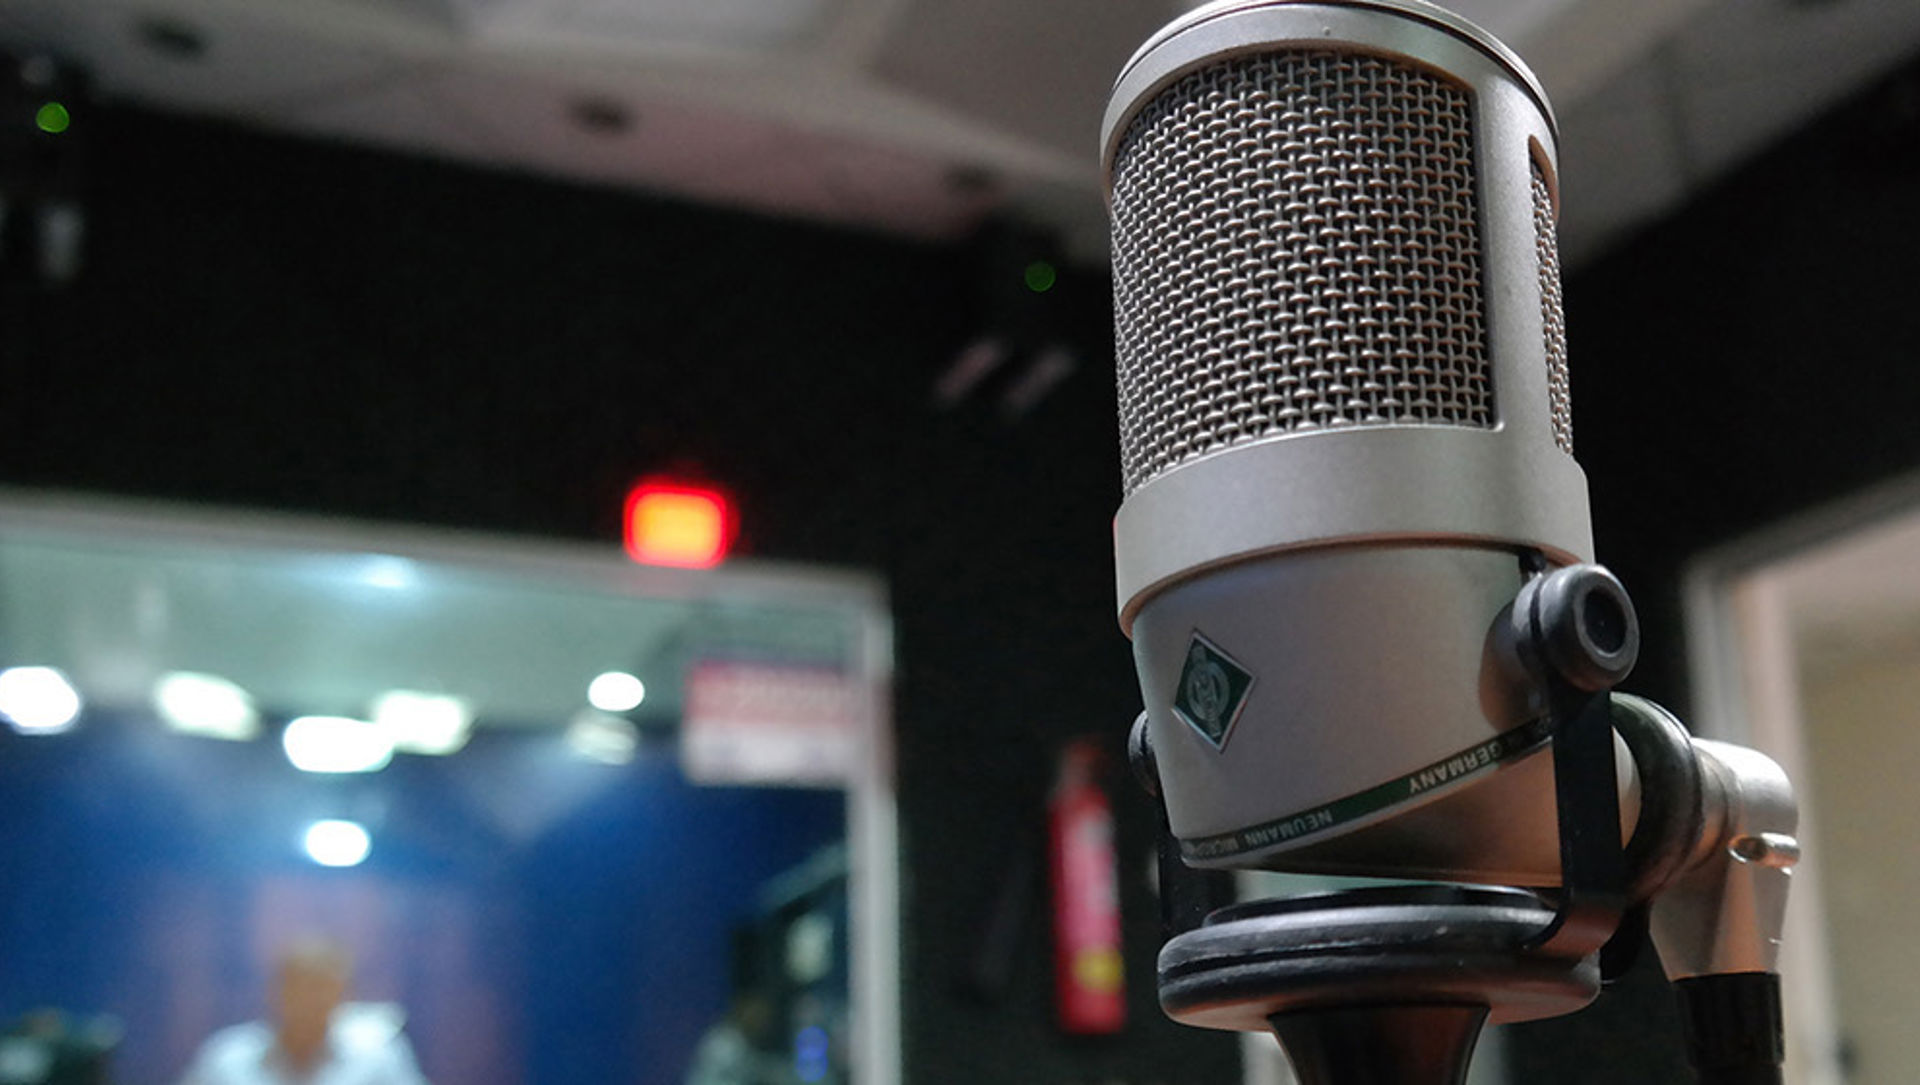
1744	672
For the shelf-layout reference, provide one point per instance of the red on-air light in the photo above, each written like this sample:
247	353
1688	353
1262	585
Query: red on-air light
672	523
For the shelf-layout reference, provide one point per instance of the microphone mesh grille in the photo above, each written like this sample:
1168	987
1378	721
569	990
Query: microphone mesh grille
1546	246
1295	248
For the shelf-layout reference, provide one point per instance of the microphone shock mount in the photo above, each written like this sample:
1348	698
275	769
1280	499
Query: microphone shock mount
1391	985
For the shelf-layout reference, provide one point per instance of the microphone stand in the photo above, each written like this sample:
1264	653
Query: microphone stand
1391	986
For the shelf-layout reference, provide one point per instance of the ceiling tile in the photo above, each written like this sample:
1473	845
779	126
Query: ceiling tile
1577	47
1741	39
1509	20
860	110
716	24
402	114
1041	71
525	121
1747	73
1619	160
255	62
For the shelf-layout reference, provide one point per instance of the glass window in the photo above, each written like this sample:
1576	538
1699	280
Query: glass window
508	813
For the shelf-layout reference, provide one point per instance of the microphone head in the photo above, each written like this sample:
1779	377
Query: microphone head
1343	420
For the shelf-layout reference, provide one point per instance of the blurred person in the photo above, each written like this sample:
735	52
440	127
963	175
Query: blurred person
735	1050
742	1047
316	1037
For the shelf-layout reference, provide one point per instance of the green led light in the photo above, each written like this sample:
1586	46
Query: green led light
1041	276
53	117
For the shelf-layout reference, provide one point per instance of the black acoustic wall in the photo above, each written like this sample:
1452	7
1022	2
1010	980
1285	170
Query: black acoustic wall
267	322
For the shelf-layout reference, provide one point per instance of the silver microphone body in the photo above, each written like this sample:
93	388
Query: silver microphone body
1344	425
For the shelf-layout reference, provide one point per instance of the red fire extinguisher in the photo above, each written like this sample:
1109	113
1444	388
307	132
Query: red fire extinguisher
1089	972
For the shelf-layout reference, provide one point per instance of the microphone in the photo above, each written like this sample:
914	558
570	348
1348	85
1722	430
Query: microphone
1354	558
1344	421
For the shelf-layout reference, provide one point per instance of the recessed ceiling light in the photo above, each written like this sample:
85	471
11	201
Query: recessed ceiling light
616	691
38	700
429	723
971	180
172	37
337	744
338	843
601	116
205	704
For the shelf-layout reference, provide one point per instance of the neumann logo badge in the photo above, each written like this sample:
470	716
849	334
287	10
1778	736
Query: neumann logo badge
1213	690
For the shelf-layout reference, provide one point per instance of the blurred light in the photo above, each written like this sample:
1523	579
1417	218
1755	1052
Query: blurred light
337	744
1053	365
973	365
607	739
338	843
811	1053
1041	276
63	230
616	691
809	949
394	574
172	38
205	704
38	700
428	723
53	118
672	524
